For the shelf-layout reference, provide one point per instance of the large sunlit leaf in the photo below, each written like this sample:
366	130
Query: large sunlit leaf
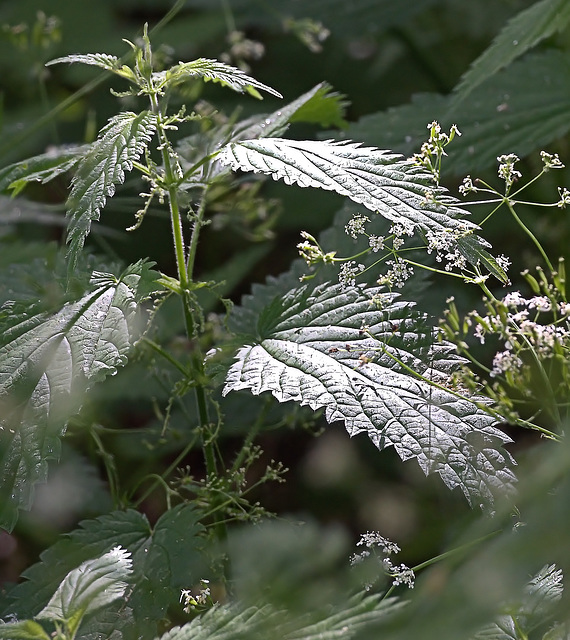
166	558
370	361
383	182
319	104
94	584
119	144
521	33
47	362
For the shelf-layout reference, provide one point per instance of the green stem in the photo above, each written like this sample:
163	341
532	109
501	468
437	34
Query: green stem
185	270
531	235
198	224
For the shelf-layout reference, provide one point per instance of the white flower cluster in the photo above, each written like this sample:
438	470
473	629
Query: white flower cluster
355	226
517	325
507	169
551	161
348	272
444	243
202	600
397	274
381	548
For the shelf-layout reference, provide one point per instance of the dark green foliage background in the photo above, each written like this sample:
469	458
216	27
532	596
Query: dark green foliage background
397	64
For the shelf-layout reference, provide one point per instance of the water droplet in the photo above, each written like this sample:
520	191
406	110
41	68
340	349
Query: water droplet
515	42
268	121
408	139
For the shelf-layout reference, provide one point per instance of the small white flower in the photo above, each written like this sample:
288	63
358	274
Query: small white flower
355	226
348	272
551	161
376	243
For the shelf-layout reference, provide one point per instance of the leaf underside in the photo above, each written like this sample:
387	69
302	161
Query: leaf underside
47	362
119	144
383	182
310	348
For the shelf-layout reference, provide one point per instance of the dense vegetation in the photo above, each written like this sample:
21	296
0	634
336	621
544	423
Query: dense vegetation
185	343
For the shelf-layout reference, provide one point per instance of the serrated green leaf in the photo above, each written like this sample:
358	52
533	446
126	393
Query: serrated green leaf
42	168
214	71
310	348
24	630
524	31
47	363
103	60
540	596
166	558
543	591
520	112
326	107
231	622
382	181
91	586
194	148
119	144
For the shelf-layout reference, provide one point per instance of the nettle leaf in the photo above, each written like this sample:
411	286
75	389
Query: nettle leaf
325	107
215	71
102	60
524	31
91	586
321	104
540	596
119	144
232	622
383	182
42	168
166	558
310	347
48	360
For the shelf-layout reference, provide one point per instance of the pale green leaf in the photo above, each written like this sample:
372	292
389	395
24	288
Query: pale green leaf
308	346
47	362
524	31
42	168
24	630
166	558
382	181
214	71
119	144
91	586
